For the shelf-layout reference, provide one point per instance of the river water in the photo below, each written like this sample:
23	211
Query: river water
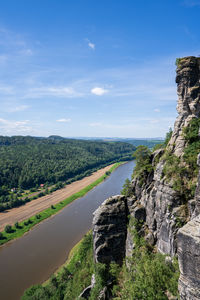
34	257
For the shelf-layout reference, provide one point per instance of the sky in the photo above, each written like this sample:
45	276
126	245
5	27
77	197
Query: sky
93	68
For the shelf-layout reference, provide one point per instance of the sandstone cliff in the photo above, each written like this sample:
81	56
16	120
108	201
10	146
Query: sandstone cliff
164	203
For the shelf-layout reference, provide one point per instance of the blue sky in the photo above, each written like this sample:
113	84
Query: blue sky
101	68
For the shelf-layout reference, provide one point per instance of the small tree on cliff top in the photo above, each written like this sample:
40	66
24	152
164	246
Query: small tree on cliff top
143	161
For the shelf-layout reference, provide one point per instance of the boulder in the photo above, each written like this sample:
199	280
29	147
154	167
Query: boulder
110	230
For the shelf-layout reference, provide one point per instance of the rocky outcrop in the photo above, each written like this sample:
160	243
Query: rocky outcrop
109	230
188	89
197	193
189	260
160	202
164	210
156	203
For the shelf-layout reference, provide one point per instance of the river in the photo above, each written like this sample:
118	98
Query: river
34	257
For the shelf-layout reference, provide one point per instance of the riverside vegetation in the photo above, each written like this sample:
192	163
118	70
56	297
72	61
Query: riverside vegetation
148	275
28	162
20	228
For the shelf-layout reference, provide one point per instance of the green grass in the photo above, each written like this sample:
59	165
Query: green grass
26	225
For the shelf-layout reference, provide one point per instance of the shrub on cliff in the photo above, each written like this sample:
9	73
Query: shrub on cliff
183	171
166	141
146	274
127	188
178	60
148	277
192	149
143	163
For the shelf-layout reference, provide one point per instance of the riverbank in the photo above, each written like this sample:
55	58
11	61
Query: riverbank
73	254
45	248
34	212
72	277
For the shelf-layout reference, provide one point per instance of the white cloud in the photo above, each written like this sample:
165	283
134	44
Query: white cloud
63	120
157	110
98	91
91	45
15	126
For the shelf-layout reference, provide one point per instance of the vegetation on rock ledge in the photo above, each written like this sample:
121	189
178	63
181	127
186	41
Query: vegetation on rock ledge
147	276
143	163
183	171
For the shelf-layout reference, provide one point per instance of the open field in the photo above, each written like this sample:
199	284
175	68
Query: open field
34	207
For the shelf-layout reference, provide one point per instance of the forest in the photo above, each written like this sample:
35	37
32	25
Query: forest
28	162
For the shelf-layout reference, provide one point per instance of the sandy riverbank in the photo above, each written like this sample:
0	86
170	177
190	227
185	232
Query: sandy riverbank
35	206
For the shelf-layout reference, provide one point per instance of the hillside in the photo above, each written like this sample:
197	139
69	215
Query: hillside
28	162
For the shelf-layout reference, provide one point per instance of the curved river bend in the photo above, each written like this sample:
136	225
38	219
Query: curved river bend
34	257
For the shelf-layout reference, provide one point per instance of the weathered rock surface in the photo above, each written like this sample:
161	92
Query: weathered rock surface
159	201
109	230
188	82
197	193
162	204
156	202
189	260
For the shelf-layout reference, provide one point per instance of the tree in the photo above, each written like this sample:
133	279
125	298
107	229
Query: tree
8	229
127	189
143	162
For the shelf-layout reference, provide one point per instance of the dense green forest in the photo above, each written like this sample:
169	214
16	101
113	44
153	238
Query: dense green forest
28	162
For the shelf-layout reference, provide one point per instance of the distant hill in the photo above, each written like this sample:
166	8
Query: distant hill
148	142
23	140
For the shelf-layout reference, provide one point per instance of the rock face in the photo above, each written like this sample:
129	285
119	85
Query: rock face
189	260
163	205
109	230
156	203
188	82
197	193
160	202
